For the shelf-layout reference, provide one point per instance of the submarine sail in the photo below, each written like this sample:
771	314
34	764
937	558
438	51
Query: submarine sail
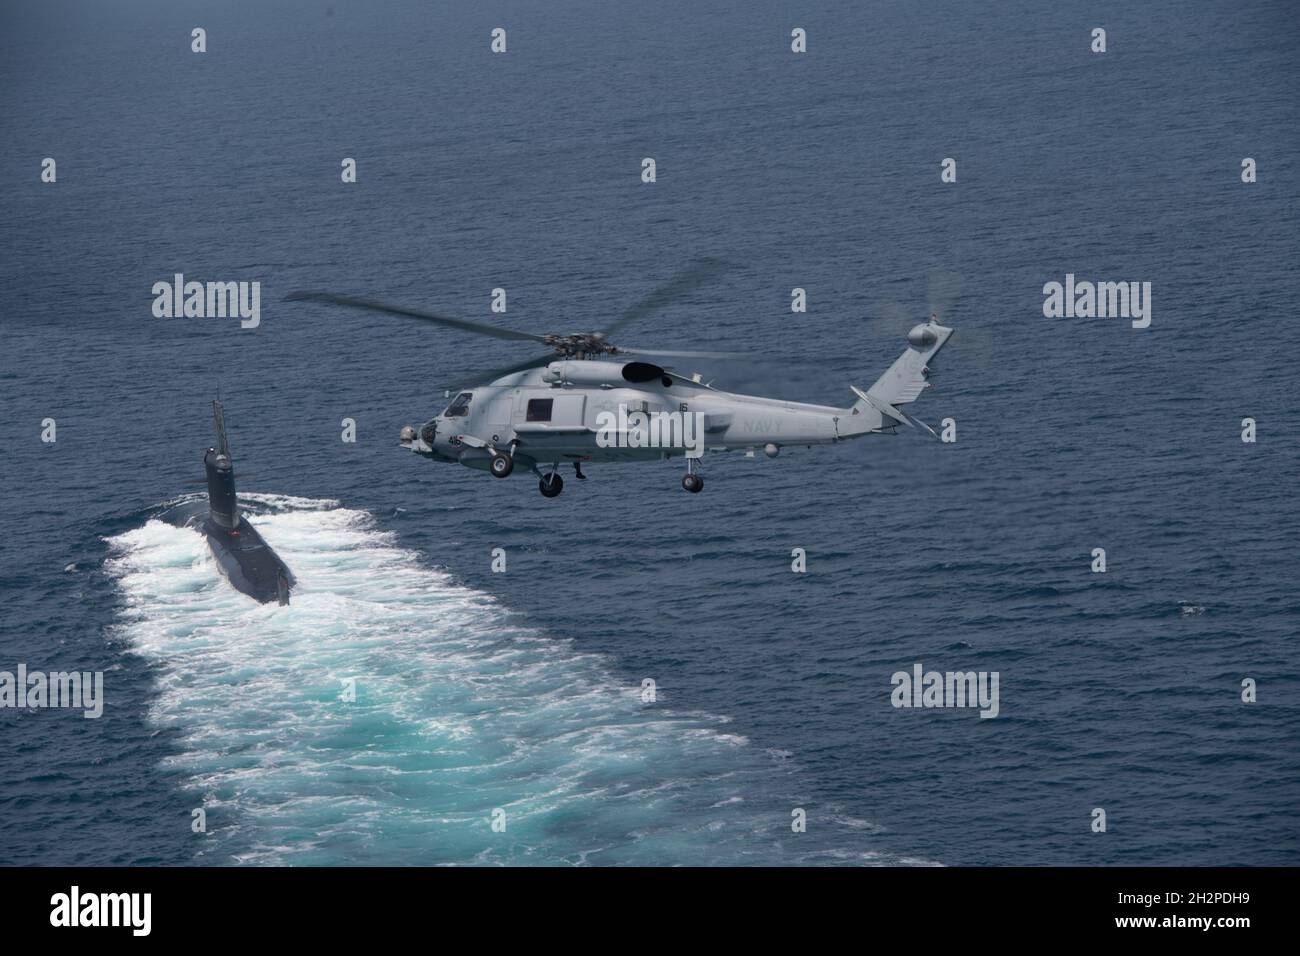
242	554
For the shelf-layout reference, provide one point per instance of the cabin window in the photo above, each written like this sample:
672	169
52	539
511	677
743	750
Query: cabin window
539	409
460	407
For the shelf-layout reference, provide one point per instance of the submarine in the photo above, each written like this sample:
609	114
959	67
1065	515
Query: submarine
242	554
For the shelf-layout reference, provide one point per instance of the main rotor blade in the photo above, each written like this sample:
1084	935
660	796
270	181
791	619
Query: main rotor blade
374	305
669	353
483	378
683	283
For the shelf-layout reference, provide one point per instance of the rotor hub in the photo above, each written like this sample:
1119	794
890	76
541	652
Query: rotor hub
582	343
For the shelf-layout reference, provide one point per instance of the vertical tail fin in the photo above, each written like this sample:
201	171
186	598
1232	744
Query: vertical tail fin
903	382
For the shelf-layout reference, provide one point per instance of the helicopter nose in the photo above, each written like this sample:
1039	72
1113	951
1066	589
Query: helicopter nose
426	433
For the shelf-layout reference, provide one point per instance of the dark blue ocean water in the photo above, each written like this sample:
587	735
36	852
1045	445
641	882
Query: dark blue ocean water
520	690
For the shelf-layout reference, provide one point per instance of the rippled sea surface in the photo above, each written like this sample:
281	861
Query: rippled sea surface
523	691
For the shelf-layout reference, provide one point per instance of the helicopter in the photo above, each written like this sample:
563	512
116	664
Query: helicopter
587	400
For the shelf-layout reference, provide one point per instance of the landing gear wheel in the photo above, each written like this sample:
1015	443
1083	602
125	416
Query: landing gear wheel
693	483
501	465
551	485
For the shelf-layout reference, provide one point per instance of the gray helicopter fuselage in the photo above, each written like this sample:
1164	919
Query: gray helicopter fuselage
564	412
573	405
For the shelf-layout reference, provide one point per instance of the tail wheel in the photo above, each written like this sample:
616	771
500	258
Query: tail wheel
693	483
501	465
551	485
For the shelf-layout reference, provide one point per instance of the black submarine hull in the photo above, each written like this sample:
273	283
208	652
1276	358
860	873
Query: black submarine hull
247	561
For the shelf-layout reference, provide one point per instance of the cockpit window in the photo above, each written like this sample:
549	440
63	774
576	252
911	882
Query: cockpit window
459	407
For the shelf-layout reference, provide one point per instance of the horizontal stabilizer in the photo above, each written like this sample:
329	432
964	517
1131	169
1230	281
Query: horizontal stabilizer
888	411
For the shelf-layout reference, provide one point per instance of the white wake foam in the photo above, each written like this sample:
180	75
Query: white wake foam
459	711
